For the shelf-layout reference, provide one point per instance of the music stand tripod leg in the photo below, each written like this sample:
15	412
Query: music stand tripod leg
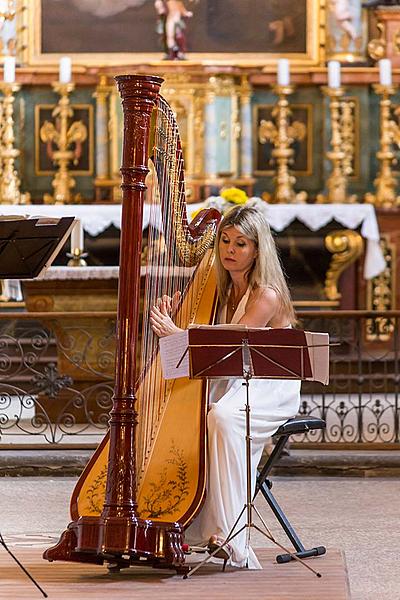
248	371
247	374
7	549
224	543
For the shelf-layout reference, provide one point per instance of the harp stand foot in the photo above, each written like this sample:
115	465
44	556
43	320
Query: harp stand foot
249	507
7	549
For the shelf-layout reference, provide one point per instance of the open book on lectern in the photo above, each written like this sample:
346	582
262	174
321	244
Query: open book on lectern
216	351
28	246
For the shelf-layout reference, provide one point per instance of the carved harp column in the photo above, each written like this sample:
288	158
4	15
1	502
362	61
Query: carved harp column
121	481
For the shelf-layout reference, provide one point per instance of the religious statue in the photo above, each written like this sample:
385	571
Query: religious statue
171	27
344	18
346	38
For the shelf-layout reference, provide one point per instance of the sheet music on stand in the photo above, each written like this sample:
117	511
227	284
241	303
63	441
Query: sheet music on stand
307	353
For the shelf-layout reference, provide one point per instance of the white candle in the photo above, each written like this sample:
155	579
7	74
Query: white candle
334	74
283	72
65	69
77	236
385	71
9	69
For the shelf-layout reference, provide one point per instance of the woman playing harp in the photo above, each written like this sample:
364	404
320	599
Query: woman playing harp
252	291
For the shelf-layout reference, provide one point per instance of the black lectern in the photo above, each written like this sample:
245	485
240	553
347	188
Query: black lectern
27	249
29	246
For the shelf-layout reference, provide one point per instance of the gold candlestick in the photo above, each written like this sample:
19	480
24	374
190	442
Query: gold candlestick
336	183
64	136
77	257
283	135
385	182
347	130
10	183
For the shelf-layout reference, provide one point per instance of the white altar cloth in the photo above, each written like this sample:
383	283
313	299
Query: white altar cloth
81	273
316	216
95	218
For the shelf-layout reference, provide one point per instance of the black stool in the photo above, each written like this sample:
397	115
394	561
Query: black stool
263	484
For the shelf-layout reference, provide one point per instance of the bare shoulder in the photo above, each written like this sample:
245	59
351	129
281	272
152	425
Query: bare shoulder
264	295
261	308
265	300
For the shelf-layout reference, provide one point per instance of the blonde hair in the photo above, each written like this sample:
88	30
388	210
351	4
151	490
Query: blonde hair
267	269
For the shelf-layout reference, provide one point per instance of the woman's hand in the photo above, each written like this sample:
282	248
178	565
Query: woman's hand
160	319
171	304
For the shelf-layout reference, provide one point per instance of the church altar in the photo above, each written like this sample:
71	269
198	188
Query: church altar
97	218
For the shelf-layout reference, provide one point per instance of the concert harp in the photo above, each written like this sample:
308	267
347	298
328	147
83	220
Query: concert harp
146	481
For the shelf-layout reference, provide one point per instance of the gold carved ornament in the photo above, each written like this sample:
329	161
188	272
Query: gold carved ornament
377	47
346	246
9	182
63	135
385	183
281	133
381	295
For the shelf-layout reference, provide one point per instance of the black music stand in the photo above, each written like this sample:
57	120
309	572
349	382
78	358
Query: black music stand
27	249
29	246
246	353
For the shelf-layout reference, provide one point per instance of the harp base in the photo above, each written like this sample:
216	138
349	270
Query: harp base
144	542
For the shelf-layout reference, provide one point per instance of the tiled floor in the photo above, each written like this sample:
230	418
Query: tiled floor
359	516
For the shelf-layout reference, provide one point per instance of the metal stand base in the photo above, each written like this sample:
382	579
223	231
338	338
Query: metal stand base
249	506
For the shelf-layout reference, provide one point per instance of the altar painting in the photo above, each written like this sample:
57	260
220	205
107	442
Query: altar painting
125	31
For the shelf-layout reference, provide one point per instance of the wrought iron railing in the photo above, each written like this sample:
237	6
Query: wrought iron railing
56	378
361	403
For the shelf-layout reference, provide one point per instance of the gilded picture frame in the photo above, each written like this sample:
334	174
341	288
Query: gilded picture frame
303	150
85	163
220	32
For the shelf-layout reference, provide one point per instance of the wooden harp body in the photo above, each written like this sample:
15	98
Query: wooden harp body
145	482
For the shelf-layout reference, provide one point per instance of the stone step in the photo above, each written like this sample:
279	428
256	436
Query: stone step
352	463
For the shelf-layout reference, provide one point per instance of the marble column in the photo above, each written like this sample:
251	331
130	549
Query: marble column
246	149
210	137
102	152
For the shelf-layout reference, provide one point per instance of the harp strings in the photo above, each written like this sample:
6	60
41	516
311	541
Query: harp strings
164	272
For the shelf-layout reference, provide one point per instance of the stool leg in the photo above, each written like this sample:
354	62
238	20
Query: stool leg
273	458
301	552
264	485
281	517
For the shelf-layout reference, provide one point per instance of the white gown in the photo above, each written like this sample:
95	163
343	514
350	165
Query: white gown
272	402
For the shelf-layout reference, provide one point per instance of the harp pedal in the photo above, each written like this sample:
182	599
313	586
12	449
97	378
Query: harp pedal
194	549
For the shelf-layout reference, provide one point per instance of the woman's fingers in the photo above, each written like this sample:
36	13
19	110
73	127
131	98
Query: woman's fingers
167	302
170	303
160	315
165	309
156	314
175	300
157	325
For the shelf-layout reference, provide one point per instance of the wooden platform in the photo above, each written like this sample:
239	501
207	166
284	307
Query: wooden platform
67	581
